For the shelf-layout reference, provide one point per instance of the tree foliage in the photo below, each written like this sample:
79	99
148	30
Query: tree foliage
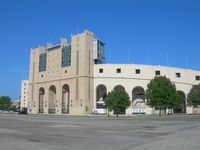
193	97
117	100
161	94
5	102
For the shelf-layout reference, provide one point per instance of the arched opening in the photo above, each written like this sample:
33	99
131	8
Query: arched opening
41	100
101	93
65	99
119	87
121	111
52	99
182	103
138	100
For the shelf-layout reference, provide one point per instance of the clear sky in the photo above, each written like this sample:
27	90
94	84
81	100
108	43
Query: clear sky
158	32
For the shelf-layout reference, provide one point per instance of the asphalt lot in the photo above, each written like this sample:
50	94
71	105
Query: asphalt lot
50	132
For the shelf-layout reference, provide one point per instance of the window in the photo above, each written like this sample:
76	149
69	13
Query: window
118	70
101	70
137	71
42	62
197	78
42	75
178	74
157	72
65	71
66	56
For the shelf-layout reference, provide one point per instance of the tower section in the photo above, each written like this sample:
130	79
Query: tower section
82	63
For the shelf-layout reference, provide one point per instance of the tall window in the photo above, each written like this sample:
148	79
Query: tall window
42	62
66	56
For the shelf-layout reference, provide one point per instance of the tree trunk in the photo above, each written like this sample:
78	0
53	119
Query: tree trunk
108	115
117	112
160	112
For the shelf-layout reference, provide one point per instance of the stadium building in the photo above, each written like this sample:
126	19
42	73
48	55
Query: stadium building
72	78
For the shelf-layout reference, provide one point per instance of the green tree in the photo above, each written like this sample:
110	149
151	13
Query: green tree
161	94
5	102
117	100
179	105
193	97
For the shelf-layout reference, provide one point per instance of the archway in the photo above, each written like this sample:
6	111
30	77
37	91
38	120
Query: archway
101	93
138	100
41	100
182	102
52	99
121	111
65	99
119	87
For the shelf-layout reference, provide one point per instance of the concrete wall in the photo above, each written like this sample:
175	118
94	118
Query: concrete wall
129	79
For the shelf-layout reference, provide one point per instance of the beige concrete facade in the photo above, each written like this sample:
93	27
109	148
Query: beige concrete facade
78	85
77	77
130	80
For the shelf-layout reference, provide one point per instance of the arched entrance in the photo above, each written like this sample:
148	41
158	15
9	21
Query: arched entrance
101	93
121	111
65	99
41	100
138	100
52	99
182	102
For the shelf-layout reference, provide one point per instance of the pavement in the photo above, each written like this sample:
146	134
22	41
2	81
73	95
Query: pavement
144	132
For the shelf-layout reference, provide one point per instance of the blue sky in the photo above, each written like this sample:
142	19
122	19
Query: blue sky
159	32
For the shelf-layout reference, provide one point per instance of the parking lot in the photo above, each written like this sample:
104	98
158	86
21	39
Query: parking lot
51	132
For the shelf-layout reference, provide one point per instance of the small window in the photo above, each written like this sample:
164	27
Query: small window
197	78
65	71
157	72
42	75
137	71
101	70
178	74
118	70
